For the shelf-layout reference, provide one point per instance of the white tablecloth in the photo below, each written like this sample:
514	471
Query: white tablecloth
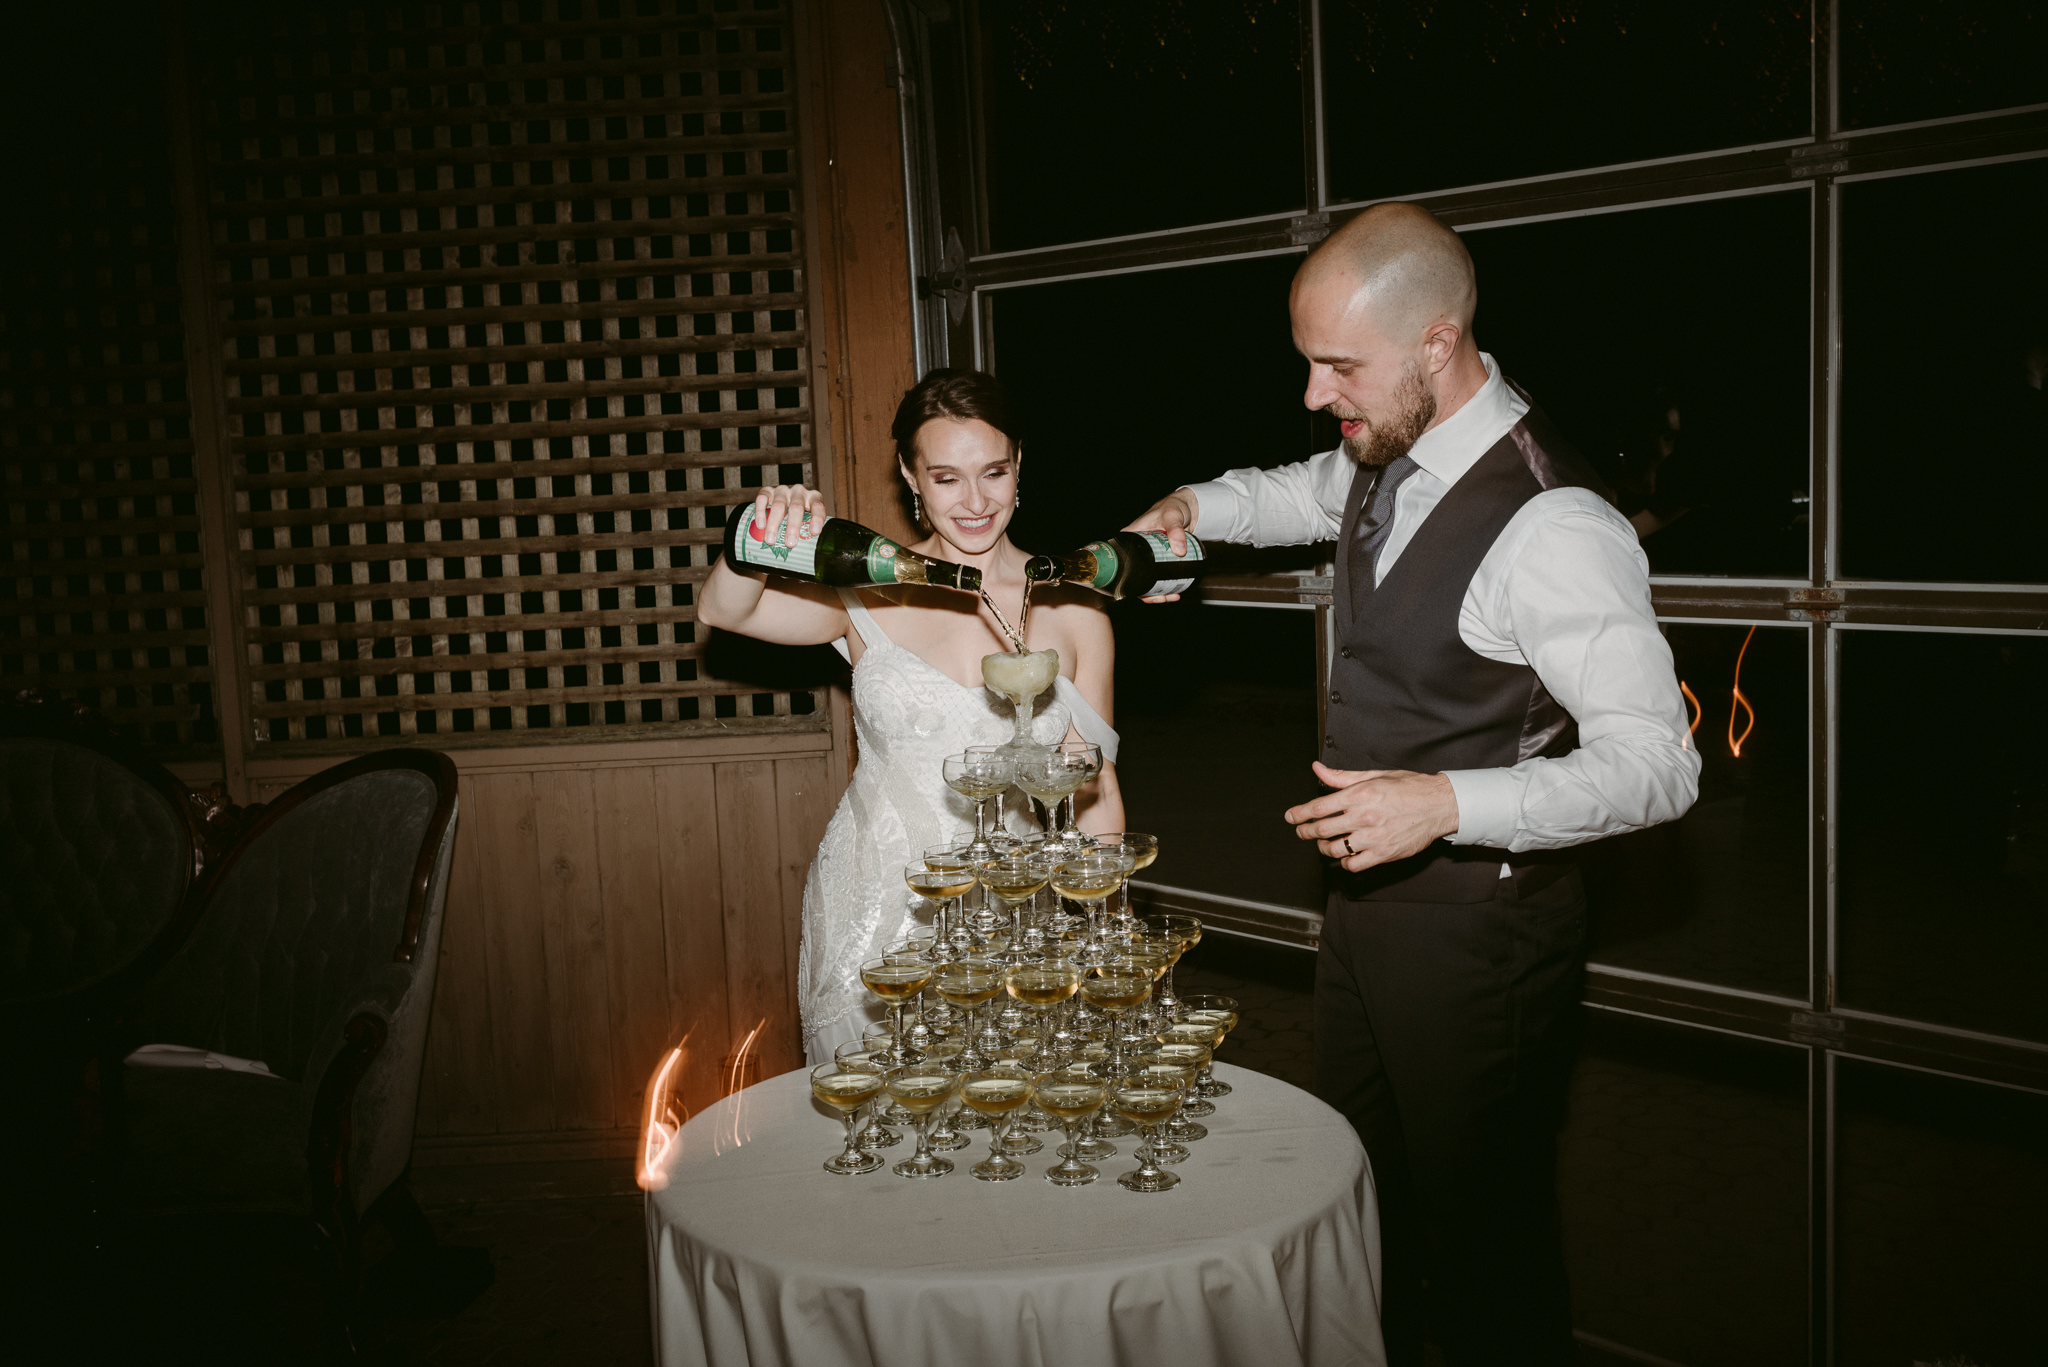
1266	1254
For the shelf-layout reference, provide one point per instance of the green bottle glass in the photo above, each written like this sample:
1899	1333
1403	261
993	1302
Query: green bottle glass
1127	565
841	554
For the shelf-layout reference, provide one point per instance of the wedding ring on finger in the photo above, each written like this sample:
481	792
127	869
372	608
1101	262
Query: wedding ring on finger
1347	846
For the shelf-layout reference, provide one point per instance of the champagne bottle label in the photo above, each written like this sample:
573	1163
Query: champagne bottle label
882	561
1107	563
1163	557
802	558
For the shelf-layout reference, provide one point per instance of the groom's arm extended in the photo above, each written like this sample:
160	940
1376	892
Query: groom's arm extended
1293	505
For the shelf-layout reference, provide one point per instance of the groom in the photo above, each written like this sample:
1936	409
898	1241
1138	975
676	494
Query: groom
1499	693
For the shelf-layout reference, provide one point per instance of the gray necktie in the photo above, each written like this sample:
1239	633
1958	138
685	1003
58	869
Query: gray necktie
1378	518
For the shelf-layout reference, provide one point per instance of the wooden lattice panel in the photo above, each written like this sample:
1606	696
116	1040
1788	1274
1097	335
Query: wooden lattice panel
102	596
513	303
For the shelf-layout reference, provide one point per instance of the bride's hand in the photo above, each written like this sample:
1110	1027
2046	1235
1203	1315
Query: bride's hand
789	512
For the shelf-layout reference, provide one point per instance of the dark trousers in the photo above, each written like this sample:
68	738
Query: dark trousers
1445	1033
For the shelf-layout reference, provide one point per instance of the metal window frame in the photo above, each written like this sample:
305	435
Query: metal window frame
1824	601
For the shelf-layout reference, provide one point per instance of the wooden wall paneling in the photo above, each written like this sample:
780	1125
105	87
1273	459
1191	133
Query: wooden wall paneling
629	876
804	798
573	922
693	927
758	958
457	1092
515	953
862	304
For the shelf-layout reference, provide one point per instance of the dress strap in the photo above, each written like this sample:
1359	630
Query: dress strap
863	622
1087	720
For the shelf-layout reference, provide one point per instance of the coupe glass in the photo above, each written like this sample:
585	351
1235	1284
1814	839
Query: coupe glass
864	1056
1070	1095
1211	1009
1189	932
1115	988
846	1091
896	978
946	1051
943	876
1014	880
1194	1058
1148	1097
921	1088
997	1094
979	774
1090	879
1041	987
967	986
1055	773
1141	850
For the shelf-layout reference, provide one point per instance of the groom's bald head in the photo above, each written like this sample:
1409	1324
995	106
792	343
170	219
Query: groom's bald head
1397	268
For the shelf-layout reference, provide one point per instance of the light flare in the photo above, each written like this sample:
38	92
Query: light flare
665	1115
1740	702
735	1072
1699	714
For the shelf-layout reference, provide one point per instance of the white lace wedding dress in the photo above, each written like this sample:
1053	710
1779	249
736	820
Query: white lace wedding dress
909	715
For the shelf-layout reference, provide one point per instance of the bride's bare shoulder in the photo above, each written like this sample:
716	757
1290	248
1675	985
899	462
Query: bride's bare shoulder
1080	613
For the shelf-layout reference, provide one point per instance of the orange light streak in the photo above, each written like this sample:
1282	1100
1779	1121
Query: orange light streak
734	1072
1699	714
1740	701
662	1120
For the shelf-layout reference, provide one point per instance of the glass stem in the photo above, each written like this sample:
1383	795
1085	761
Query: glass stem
852	1147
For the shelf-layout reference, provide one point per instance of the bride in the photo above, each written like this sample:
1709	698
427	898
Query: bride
917	690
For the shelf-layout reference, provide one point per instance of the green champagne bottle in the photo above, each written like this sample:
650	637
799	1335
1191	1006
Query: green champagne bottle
840	553
1127	565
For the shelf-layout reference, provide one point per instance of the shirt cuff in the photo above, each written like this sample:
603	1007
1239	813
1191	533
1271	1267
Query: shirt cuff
1216	509
1489	805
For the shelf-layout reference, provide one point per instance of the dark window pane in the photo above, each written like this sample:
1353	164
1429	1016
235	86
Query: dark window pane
1903	60
1944	344
1943	894
1941	1198
1720	896
1211	756
1671	345
1145	114
1227	393
1425	96
1230	397
1682	1183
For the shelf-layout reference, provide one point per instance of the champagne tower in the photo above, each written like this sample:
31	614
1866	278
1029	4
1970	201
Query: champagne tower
841	554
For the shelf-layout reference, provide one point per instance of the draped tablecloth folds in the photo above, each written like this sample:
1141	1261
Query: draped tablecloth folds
1267	1253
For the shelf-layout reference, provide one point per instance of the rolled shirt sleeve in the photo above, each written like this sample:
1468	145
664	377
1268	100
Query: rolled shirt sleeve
1573	601
1294	505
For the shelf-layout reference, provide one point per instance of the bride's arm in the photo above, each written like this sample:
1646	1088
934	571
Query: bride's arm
1099	808
790	613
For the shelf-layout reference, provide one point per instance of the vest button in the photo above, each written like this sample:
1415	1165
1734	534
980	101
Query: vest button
1335	696
1345	651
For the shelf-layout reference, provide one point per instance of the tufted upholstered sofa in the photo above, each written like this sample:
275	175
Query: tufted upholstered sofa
100	849
313	952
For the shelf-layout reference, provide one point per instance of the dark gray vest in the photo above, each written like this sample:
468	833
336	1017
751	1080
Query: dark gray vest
1406	692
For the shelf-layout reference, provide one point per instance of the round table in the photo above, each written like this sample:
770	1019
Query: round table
1267	1252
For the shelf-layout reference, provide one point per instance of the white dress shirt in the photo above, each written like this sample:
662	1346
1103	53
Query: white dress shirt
1565	590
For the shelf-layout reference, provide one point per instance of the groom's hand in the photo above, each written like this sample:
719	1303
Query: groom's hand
1173	515
1376	816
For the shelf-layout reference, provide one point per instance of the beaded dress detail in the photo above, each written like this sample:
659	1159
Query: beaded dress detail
909	716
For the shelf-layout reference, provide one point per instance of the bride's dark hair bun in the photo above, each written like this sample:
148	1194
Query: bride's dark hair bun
957	394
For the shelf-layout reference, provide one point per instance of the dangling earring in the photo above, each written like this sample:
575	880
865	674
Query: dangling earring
1017	499
917	509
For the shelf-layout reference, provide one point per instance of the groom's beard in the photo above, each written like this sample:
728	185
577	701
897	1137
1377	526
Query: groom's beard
1391	436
